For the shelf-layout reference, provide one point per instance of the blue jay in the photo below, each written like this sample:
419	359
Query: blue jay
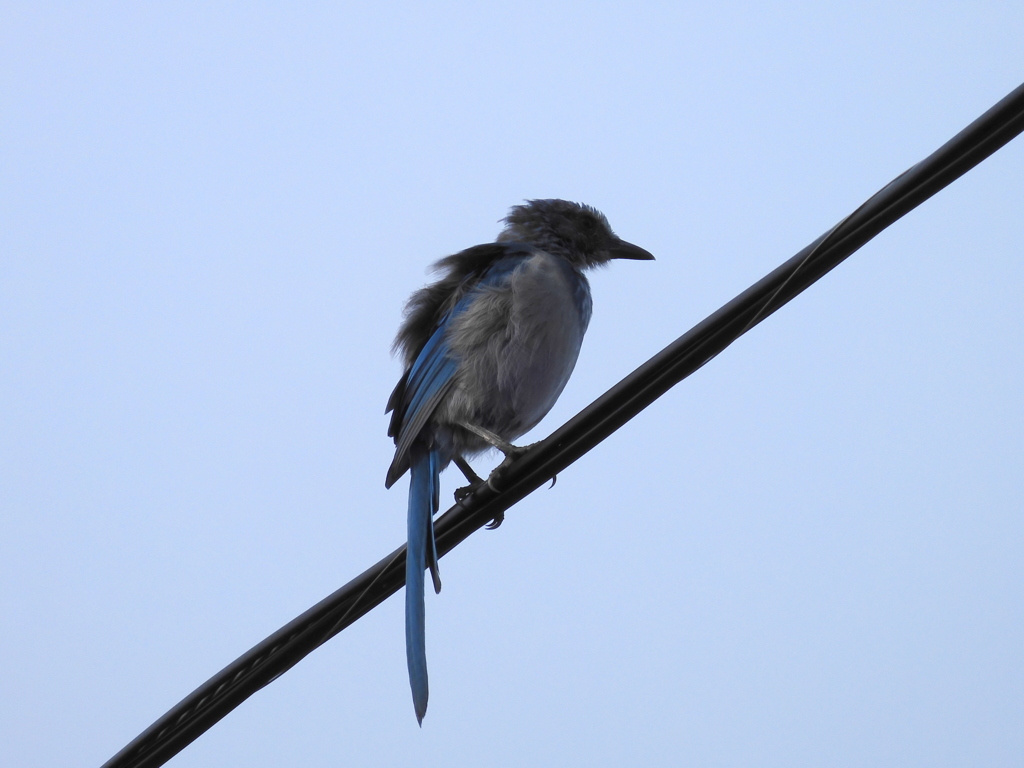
488	349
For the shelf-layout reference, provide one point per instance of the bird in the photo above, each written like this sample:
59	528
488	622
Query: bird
487	349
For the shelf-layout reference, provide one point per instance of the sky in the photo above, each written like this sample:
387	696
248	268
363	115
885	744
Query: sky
809	553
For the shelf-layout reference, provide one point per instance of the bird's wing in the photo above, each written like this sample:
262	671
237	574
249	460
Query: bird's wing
427	382
432	373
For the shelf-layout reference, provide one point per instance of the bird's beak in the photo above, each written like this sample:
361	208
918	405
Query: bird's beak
624	250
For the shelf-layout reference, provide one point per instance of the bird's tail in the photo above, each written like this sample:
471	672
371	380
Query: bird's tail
421	554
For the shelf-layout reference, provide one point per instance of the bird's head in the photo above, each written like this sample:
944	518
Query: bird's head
578	233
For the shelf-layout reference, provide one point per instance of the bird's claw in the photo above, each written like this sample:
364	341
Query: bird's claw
512	453
463	493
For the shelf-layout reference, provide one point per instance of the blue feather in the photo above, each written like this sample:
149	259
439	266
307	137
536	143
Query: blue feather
423	484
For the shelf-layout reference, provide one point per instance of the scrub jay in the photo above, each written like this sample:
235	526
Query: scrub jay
488	349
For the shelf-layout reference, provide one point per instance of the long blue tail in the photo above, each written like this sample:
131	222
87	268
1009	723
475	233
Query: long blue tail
421	554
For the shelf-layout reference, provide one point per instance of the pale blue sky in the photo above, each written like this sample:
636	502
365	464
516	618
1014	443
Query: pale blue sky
810	553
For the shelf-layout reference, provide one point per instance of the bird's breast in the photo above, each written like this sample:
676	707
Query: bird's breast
549	315
517	344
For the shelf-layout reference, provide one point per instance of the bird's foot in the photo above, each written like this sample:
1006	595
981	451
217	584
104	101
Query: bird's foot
512	454
475	481
463	493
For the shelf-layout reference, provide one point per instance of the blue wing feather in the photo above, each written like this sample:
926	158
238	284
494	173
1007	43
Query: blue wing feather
427	382
432	373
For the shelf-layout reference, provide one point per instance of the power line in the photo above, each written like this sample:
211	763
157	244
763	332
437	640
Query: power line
271	658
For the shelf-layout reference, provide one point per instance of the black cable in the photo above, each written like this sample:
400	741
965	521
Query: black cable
198	711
